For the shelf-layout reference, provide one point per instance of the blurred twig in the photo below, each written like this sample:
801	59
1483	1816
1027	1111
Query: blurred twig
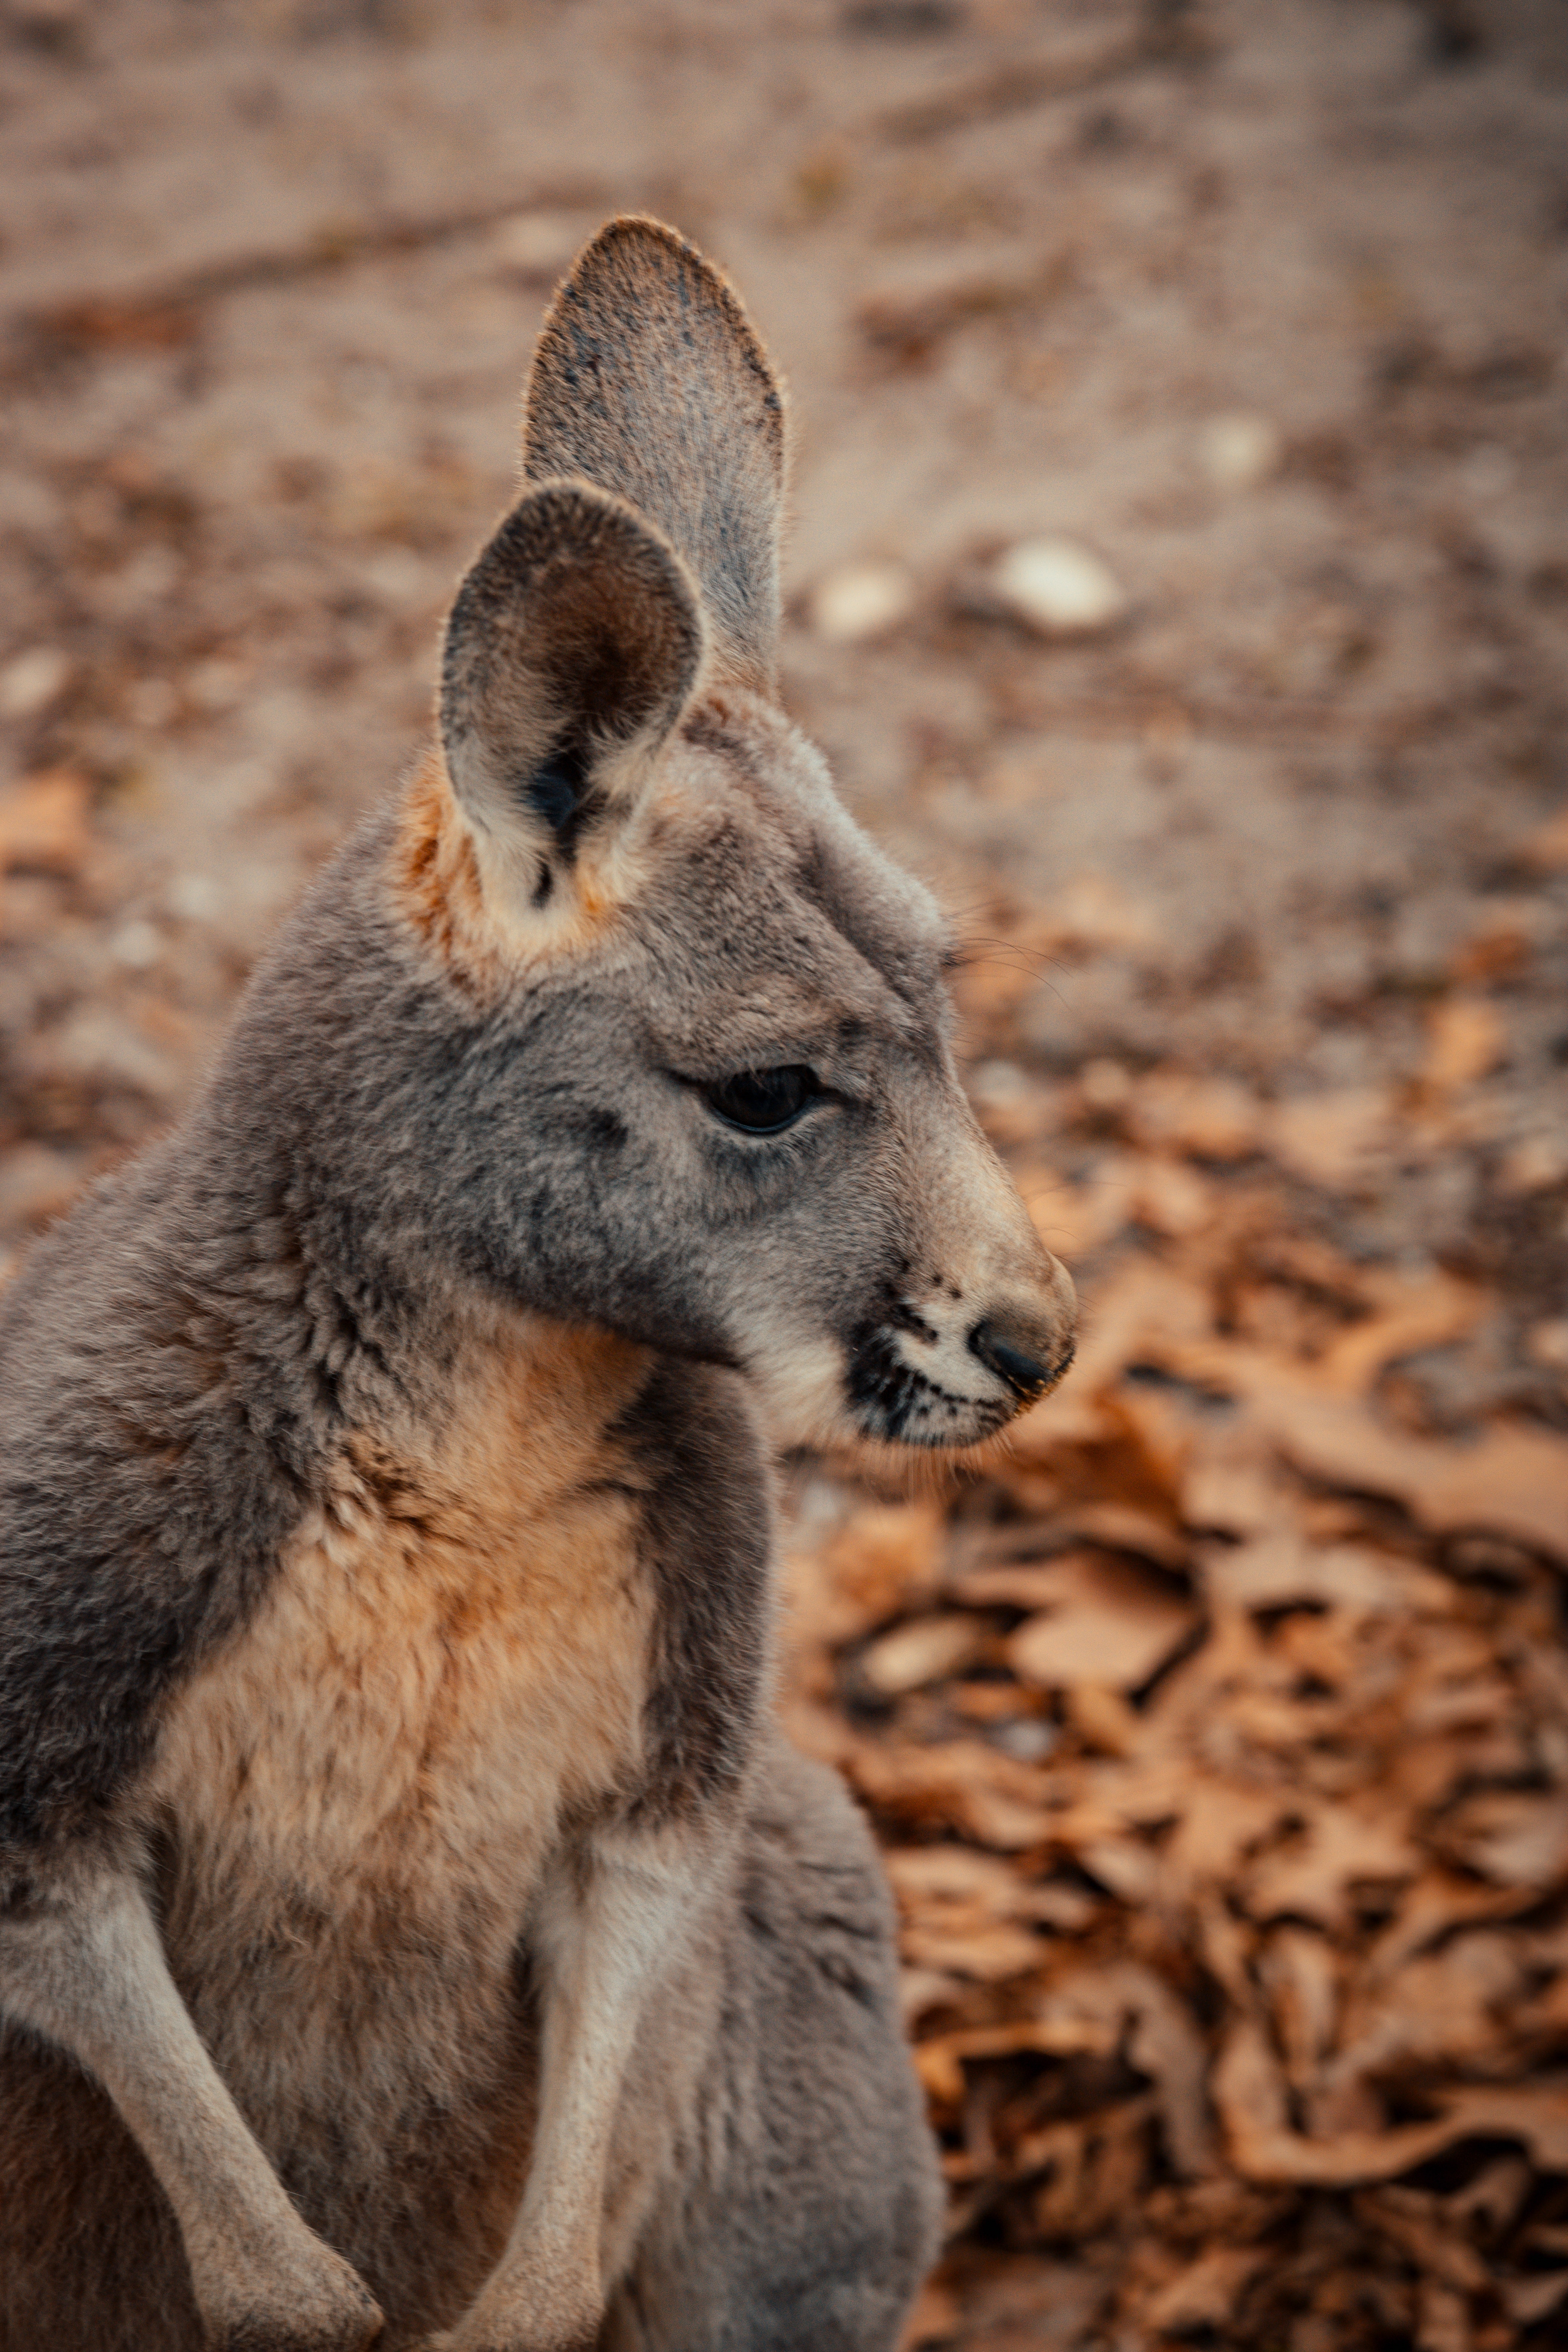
166	312
1164	35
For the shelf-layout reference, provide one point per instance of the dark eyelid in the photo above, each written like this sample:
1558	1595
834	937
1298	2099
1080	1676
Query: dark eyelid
794	1086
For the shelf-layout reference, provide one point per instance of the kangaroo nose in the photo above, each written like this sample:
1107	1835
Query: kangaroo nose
1023	1357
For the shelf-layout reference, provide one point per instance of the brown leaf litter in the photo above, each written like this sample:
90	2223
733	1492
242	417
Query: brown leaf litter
1218	1737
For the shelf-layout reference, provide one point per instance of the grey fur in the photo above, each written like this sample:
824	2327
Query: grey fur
388	1807
650	378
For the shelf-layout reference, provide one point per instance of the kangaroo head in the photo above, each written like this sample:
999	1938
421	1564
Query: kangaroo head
709	1098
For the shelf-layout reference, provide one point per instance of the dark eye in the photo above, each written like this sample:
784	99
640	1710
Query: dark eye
763	1101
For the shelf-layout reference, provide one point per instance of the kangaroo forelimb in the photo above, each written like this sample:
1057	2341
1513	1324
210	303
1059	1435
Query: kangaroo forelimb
609	1932
81	1965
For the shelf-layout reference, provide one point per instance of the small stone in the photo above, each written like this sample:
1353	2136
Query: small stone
1058	587
32	681
1547	1344
1534	1165
1011	1106
1027	1739
536	244
1093	912
193	897
1001	1082
1487	472
394	574
860	600
135	945
98	1047
1238	452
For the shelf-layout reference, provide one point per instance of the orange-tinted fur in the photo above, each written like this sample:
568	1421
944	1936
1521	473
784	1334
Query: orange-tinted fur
448	1666
455	1631
438	886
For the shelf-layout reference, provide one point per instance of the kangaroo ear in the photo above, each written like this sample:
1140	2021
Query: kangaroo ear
649	379
576	636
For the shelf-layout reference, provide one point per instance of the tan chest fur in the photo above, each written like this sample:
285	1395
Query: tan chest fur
450	1660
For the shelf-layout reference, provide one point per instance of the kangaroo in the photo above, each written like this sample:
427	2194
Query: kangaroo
412	1927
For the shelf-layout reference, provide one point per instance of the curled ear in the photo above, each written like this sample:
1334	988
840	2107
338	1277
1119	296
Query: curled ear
577	635
649	379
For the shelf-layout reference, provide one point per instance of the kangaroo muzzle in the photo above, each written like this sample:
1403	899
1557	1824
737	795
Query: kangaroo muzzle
1030	1346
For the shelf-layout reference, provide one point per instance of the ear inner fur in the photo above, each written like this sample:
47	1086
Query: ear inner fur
649	379
576	634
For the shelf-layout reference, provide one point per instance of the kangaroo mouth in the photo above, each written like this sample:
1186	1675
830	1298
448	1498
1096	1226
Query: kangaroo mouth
895	1401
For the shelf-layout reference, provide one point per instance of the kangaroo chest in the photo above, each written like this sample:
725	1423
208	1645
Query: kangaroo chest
365	1787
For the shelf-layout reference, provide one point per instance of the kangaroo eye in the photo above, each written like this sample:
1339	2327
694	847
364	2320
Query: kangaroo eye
763	1101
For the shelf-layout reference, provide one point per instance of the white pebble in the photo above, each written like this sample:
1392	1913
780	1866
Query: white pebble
999	1083
32	681
193	897
537	244
1058	587
136	945
1238	452
860	600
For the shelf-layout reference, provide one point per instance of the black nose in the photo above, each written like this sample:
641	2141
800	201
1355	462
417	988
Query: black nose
1024	1373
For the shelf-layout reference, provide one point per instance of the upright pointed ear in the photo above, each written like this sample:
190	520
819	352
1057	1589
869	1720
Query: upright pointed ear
650	379
572	648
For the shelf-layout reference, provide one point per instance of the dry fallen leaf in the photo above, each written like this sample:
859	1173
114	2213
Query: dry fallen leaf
1409	1312
44	823
1301	1971
1260	1816
1103	1621
1332	1140
1444	2006
1170	1197
1074	1220
1249	2094
926	1650
1535	2296
1206	2292
1517	1839
1547	847
1340	1852
1284	1571
885	1557
1513	1479
994	1950
1465	1039
1213	1118
962	1784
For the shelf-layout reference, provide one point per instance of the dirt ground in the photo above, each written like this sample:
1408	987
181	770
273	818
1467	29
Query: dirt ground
1219	1740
